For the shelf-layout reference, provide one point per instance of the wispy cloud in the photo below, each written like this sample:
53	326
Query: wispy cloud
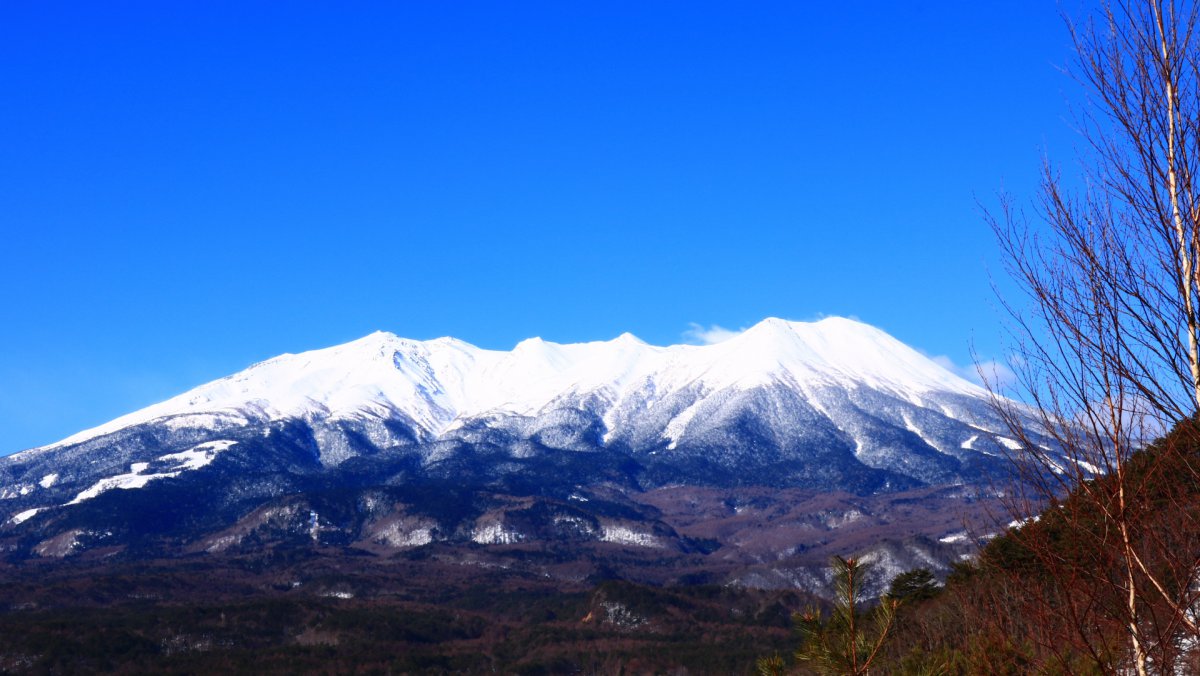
697	334
995	373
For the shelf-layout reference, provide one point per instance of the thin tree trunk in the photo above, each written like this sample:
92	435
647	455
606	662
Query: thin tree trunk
1131	597
1188	281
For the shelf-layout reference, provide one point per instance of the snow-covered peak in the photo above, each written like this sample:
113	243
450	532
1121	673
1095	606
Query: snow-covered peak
438	382
834	350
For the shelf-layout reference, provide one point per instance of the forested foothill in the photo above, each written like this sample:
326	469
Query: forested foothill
1049	595
295	612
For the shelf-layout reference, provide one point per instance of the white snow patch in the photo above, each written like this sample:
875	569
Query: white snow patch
675	428
953	537
628	536
25	516
395	534
223	542
858	447
1017	523
839	520
495	534
418	537
314	525
61	545
134	479
912	427
48	480
969	444
193	458
197	457
1010	444
618	615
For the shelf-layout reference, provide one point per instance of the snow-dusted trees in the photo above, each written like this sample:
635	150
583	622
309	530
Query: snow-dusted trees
1109	347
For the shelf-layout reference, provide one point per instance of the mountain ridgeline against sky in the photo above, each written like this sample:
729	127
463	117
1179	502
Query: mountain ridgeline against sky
829	406
787	390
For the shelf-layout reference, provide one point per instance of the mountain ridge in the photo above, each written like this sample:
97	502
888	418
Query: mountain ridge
447	379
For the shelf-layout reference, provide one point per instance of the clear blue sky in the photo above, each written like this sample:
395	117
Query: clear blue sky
190	187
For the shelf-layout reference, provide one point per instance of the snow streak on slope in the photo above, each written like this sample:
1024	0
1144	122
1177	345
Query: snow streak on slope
175	464
439	383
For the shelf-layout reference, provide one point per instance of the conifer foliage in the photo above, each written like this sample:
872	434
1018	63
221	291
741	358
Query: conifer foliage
849	639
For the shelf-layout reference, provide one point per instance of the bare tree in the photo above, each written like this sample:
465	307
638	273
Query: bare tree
1109	344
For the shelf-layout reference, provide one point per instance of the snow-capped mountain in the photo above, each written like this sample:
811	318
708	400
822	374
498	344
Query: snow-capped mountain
436	386
829	405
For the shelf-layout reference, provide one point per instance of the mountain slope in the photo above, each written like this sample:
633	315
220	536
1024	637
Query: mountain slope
446	429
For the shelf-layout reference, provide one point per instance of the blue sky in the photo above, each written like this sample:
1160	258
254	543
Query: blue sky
190	187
